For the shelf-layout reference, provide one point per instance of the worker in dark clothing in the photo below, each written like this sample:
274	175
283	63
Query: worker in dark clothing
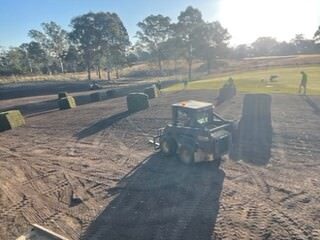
185	84
158	84
303	83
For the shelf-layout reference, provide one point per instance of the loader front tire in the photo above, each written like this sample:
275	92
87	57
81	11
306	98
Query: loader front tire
186	154
168	146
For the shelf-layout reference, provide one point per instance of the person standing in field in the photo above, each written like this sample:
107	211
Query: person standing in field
185	84
303	83
158	84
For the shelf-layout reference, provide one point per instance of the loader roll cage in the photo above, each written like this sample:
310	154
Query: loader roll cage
195	118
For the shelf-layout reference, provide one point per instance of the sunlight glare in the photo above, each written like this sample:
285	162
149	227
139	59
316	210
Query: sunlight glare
247	20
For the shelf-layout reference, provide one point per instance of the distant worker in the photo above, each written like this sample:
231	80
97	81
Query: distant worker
232	90
303	83
158	84
230	82
185	84
227	91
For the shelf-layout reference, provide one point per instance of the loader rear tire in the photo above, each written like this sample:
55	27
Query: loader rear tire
217	162
186	154
168	146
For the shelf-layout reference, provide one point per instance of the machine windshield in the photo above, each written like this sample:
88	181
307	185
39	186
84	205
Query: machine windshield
202	117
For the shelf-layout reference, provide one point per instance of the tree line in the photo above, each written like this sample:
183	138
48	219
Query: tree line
100	42
268	46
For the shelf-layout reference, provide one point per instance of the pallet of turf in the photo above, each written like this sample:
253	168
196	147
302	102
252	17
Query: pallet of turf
66	103
11	119
255	128
137	102
152	92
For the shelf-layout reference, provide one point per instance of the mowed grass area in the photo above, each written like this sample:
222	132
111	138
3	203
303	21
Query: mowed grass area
288	81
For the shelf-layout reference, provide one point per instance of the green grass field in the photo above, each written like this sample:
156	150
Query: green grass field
287	82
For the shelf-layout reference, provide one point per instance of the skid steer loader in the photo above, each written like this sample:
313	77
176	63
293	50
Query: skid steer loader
196	133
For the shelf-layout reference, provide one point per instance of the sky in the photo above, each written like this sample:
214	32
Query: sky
246	20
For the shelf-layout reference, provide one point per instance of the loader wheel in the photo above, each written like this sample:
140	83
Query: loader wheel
168	146
217	162
186	154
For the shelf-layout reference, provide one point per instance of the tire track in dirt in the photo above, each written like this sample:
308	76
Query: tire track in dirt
276	221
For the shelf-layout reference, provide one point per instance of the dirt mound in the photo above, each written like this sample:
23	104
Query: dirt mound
255	129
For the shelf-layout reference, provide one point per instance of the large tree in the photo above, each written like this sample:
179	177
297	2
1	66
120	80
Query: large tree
16	61
95	34
187	29
34	55
155	31
213	42
53	39
73	59
241	51
174	49
317	35
264	46
24	47
114	43
303	45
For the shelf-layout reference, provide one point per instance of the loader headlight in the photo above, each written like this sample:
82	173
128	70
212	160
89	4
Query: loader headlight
203	138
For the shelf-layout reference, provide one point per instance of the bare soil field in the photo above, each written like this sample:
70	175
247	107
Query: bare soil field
89	173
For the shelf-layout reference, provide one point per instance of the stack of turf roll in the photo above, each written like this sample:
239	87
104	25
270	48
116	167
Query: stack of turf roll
62	95
137	102
255	128
11	119
97	96
152	92
111	93
67	103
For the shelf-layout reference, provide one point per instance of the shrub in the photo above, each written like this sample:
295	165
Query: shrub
66	103
11	119
152	92
137	102
62	95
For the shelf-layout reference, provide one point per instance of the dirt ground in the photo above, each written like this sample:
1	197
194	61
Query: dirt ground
98	153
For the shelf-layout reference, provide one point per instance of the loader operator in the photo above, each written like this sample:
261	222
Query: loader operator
303	83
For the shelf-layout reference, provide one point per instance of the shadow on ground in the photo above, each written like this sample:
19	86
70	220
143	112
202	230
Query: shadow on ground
253	139
162	199
101	125
312	104
36	108
43	107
